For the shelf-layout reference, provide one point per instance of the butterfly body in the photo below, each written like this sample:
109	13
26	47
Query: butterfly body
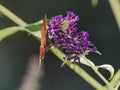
43	45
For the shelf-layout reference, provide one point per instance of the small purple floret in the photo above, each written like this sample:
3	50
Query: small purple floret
64	35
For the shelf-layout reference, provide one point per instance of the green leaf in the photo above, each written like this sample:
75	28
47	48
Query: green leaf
8	31
35	26
85	61
32	29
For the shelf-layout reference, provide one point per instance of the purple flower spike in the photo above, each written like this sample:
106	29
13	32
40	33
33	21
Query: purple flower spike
64	35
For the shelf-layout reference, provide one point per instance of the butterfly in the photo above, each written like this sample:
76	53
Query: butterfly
44	36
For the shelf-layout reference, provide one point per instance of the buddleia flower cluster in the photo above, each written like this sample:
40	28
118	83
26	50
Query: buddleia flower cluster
65	36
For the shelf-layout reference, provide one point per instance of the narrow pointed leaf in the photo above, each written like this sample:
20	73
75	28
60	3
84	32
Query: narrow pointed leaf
86	61
109	68
34	29
35	26
77	69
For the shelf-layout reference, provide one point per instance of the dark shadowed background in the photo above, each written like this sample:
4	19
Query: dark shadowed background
15	51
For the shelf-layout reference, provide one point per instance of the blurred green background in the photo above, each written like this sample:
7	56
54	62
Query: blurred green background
15	51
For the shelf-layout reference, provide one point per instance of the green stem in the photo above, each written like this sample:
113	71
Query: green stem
95	69
78	70
57	52
12	16
116	80
103	78
116	77
115	6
